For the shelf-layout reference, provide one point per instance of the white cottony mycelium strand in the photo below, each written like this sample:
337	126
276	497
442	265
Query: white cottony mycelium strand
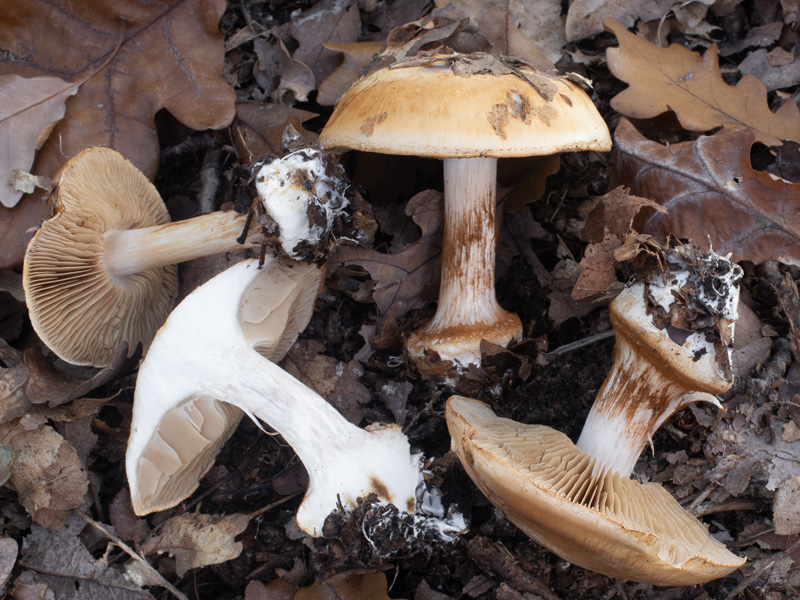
295	187
202	351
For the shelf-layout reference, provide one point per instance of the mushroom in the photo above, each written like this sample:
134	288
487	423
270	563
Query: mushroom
672	339
99	272
203	352
469	110
185	440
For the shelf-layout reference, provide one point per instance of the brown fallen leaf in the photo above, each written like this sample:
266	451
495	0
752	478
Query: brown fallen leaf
347	586
406	280
29	108
59	560
277	589
355	56
283	79
585	17
258	130
327	22
712	193
197	540
8	558
48	475
690	84
335	381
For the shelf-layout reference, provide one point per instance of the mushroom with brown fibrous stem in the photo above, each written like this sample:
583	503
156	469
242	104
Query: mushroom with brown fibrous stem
203	352
469	110
673	334
99	272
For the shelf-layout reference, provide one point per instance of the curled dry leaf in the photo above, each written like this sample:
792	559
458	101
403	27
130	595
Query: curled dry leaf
258	128
284	79
29	108
48	475
690	84
59	560
585	17
356	56
712	194
197	540
404	281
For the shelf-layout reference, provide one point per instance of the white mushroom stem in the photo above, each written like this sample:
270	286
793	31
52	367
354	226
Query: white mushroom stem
288	190
635	400
467	309
129	251
202	351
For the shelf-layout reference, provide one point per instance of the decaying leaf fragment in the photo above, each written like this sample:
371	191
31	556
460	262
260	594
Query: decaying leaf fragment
711	193
352	586
690	84
29	108
197	540
585	17
403	279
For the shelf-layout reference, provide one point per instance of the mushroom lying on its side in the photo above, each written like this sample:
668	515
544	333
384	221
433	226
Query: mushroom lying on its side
672	338
100	271
202	351
182	447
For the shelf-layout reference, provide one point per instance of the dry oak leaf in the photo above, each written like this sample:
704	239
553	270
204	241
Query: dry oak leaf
259	127
59	560
29	108
48	475
712	193
197	540
585	17
356	56
134	58
690	85
404	281
347	586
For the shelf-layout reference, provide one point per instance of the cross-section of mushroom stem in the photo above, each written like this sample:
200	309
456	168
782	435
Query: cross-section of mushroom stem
202	351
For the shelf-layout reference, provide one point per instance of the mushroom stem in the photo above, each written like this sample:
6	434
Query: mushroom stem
129	251
467	310
202	351
617	428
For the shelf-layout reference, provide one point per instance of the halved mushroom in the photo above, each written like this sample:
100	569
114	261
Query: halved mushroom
469	110
672	338
182	447
202	352
99	272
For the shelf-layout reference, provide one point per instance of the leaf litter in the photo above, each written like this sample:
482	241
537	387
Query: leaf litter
566	249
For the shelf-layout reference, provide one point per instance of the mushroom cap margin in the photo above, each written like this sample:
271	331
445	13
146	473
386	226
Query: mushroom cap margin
532	471
430	111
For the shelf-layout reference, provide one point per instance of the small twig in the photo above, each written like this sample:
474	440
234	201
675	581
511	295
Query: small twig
546	359
739	504
272	505
702	496
210	179
134	555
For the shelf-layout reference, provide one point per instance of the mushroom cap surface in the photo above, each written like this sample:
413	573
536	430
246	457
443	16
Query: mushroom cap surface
185	441
600	521
465	106
76	308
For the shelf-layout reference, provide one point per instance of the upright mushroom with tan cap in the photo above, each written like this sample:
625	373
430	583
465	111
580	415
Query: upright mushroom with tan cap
99	272
203	352
673	334
470	110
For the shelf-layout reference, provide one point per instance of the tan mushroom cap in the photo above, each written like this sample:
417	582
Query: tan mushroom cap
612	525
66	285
430	110
275	309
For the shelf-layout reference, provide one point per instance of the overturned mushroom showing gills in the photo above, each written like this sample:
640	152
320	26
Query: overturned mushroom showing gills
202	352
469	110
100	271
578	500
275	308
